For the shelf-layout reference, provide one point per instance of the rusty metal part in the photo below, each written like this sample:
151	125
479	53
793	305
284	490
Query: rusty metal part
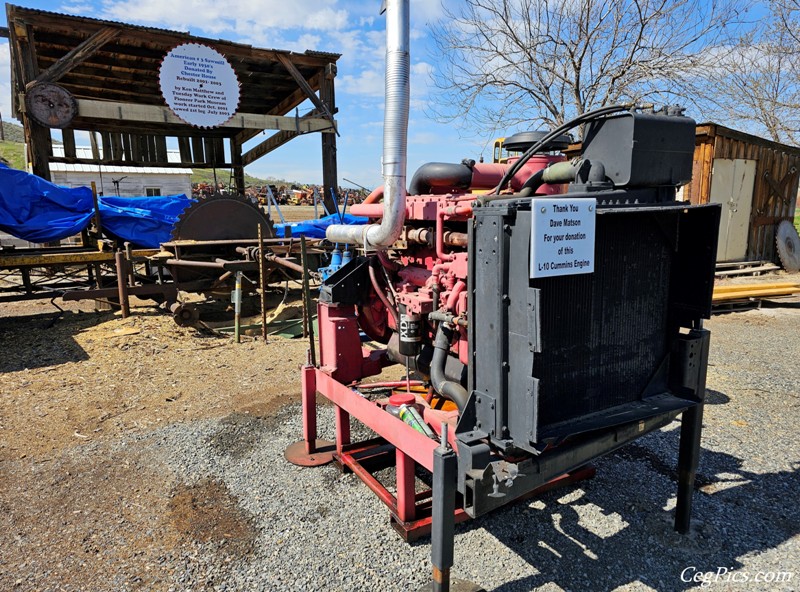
787	242
185	314
322	454
50	105
207	233
168	291
262	280
222	217
122	283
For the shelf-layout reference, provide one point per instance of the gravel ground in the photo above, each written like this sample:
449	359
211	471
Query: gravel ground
207	502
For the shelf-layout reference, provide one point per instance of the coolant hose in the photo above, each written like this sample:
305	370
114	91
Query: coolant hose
446	388
440	174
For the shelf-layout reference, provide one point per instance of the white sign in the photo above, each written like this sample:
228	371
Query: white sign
562	236
199	85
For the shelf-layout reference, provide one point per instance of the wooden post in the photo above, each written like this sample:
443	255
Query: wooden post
37	137
238	168
330	175
122	283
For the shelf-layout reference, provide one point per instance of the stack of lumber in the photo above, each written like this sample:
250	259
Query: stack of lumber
743	291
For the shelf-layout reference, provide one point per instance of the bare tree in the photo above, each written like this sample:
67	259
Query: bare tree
505	63
757	84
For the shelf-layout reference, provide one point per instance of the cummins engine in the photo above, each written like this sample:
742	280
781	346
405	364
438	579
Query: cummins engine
540	313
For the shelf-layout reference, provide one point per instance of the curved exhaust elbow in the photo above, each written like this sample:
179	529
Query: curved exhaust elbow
395	138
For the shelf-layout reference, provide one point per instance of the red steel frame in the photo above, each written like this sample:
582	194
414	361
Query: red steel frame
409	510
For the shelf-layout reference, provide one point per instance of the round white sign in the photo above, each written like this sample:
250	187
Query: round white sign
199	85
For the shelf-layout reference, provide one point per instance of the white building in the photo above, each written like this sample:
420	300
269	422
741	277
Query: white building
126	181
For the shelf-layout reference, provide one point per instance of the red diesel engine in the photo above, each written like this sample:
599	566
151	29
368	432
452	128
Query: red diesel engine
546	311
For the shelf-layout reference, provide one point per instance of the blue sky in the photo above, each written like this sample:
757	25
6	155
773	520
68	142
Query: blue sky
349	27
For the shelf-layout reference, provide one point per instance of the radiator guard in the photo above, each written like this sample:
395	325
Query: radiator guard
556	357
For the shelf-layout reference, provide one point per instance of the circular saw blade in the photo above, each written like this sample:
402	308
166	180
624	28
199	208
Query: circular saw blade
222	217
788	245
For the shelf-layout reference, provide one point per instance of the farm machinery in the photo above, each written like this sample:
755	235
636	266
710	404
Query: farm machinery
540	313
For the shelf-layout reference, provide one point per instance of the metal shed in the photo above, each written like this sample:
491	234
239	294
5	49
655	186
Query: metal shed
755	180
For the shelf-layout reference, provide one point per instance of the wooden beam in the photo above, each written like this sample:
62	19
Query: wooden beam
238	167
78	55
330	173
68	137
37	137
304	85
156	114
147	163
267	146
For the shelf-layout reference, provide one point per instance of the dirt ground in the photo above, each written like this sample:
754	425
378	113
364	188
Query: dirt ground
84	382
82	509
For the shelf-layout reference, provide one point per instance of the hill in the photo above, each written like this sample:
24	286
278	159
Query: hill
13	133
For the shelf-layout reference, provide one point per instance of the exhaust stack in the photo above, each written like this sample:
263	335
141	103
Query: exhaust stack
395	138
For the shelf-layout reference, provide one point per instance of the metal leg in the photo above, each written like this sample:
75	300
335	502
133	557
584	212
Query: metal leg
688	457
445	477
122	283
310	451
406	498
342	429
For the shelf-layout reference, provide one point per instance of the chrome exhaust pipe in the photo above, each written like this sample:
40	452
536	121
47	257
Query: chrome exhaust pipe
395	138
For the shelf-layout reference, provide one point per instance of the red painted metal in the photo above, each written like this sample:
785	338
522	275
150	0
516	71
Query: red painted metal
401	435
322	455
342	429
309	400
310	451
406	502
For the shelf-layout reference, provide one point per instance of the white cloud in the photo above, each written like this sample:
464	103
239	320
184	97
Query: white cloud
230	16
76	8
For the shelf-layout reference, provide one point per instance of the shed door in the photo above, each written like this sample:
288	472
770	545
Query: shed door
732	186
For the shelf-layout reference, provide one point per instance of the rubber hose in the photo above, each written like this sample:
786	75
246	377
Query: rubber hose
440	174
446	388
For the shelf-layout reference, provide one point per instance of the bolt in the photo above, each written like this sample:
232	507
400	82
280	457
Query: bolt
544	210
591	208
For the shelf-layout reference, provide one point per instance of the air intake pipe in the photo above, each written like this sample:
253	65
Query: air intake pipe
395	138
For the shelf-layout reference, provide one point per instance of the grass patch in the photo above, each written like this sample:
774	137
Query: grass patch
14	153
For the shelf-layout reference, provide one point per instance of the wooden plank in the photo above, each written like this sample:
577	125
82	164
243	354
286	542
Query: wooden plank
198	153
127	152
105	138
68	138
128	162
766	286
747	271
754	293
116	147
78	55
185	148
161	149
319	103
153	113
94	147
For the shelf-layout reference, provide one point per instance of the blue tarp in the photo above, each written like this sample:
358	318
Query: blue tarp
316	228
144	221
35	210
